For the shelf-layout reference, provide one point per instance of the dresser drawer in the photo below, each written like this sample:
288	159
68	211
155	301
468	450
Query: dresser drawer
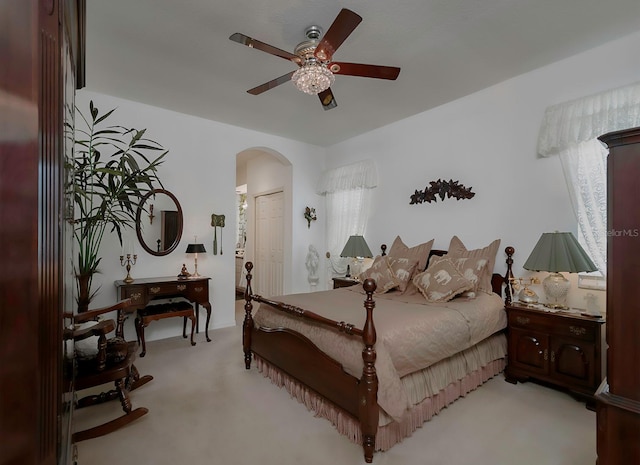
137	294
576	329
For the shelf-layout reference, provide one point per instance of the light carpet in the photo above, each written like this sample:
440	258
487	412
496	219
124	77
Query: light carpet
205	408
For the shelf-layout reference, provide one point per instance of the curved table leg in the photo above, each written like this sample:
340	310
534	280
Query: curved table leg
206	327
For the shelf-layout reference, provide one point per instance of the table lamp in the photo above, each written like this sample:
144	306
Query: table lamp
356	247
195	249
557	252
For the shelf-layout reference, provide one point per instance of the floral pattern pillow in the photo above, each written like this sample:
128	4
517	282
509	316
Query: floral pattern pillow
382	273
441	281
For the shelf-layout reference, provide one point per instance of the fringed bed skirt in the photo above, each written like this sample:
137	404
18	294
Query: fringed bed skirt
482	362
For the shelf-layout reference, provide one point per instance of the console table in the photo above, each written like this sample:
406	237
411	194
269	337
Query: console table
142	291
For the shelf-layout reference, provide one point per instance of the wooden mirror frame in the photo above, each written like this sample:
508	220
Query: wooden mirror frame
139	213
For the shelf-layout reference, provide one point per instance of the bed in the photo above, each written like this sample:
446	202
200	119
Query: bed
378	382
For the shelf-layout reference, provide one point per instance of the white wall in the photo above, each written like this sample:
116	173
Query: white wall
200	171
487	141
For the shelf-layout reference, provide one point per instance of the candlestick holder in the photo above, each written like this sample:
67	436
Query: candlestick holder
127	262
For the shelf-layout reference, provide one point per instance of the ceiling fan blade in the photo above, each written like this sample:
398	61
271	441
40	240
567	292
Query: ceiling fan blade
342	27
327	99
370	71
271	84
253	43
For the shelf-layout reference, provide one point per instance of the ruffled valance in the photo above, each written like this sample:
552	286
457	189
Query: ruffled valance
358	175
571	123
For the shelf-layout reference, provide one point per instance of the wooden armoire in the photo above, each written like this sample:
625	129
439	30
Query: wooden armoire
41	65
618	398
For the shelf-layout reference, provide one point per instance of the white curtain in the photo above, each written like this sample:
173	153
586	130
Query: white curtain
570	130
347	190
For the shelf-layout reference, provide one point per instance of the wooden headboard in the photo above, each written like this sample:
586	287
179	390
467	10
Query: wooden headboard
497	281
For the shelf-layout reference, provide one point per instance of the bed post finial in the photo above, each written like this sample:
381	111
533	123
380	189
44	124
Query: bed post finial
508	277
383	247
247	325
369	412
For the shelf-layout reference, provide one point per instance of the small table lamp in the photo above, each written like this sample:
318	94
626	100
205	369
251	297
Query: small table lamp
356	247
195	249
557	252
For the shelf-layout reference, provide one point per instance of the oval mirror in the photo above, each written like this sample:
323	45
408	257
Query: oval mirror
159	222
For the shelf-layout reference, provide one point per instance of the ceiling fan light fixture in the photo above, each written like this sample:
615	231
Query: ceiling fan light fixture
313	78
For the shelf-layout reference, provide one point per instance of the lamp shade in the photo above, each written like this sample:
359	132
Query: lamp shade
557	252
195	248
356	246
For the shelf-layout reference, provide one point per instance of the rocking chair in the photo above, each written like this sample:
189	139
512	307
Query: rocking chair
112	362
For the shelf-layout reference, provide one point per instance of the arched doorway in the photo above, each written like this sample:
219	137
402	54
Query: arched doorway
265	176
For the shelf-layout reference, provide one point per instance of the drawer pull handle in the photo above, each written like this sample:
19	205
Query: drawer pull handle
155	290
198	289
136	296
522	320
577	330
553	357
182	287
546	355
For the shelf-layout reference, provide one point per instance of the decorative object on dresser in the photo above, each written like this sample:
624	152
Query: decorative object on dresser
442	189
618	398
525	295
355	248
560	348
144	290
557	252
127	263
195	249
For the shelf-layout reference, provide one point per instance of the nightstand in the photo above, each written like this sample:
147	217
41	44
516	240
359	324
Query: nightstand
344	282
564	349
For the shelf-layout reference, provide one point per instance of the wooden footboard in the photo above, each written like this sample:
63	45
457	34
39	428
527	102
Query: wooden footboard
297	356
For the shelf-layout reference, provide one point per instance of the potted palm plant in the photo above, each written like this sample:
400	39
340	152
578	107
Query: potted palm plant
111	171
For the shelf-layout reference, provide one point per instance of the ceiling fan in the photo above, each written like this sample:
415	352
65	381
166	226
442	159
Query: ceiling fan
314	57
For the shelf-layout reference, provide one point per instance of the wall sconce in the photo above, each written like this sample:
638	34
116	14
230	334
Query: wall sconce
310	215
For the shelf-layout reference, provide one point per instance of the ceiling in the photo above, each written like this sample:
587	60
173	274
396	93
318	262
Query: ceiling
177	55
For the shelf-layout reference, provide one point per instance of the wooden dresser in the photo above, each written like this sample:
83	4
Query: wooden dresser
618	399
144	290
560	348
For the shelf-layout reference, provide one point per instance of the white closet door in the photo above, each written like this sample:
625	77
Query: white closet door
269	242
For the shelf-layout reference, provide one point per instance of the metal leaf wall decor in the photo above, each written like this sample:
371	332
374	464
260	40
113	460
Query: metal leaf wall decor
441	189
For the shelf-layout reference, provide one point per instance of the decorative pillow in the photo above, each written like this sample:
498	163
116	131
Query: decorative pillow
470	268
420	252
441	282
383	274
480	258
403	269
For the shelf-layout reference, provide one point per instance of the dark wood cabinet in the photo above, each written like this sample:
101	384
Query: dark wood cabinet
42	57
560	348
618	399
